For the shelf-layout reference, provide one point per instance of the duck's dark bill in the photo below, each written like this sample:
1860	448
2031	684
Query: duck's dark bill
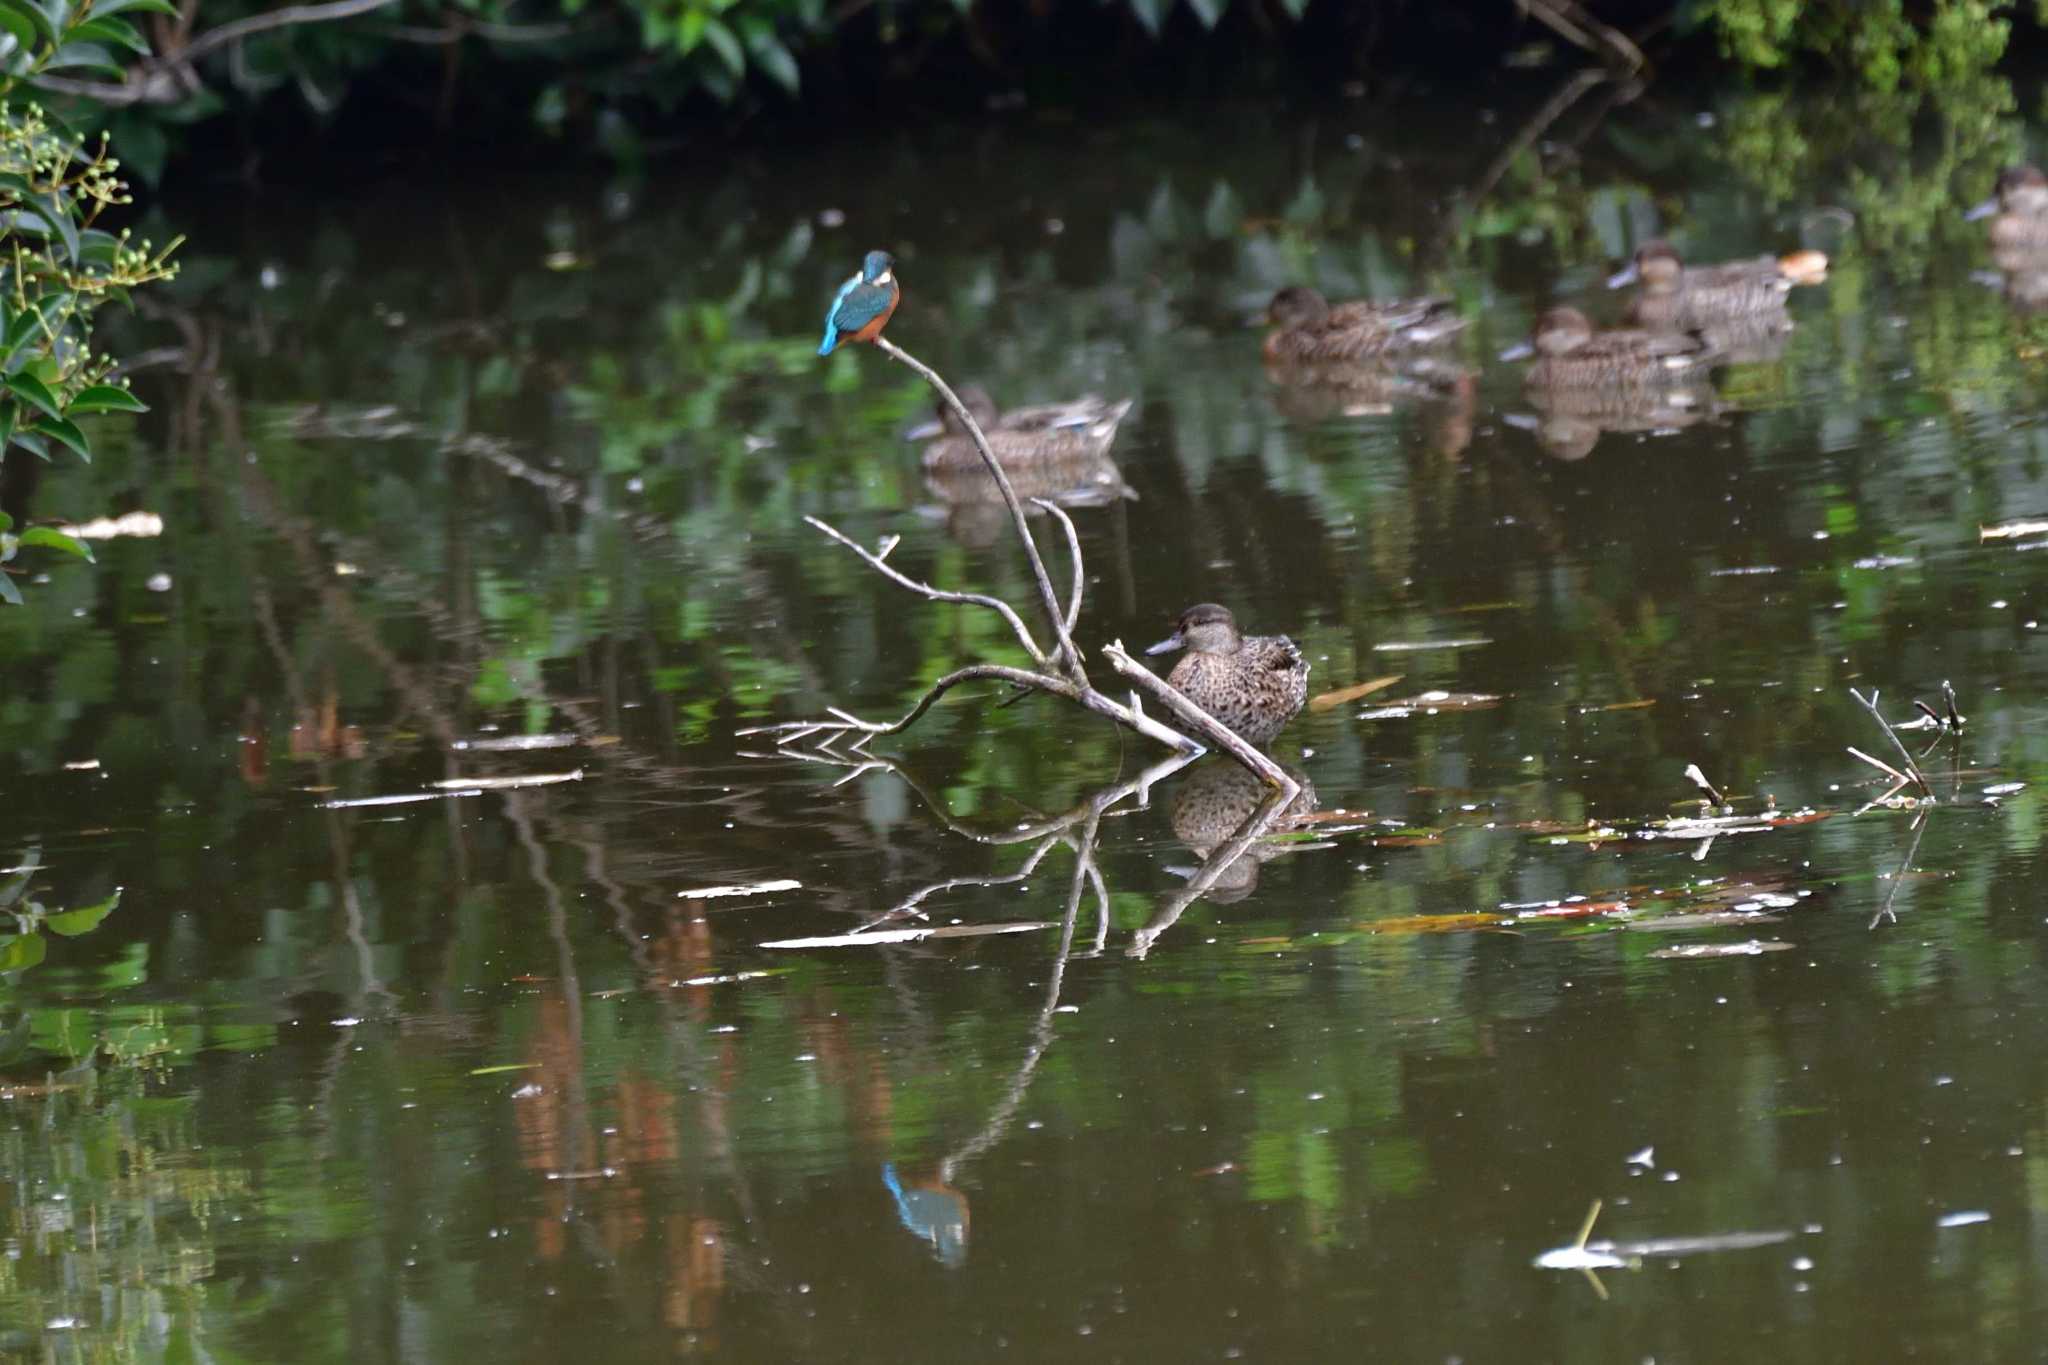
925	431
1983	210
1168	645
1626	275
1521	350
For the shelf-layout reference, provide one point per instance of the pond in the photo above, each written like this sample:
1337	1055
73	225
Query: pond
402	991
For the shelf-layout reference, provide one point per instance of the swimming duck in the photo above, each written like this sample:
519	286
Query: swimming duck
1307	329
1570	354
1679	297
1254	684
2021	205
1073	433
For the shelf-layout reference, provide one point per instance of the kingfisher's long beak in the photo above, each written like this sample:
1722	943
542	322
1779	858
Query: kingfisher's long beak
1521	350
1628	274
1168	645
1983	210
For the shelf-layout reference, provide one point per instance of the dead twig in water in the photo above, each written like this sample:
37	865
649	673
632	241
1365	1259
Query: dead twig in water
1916	776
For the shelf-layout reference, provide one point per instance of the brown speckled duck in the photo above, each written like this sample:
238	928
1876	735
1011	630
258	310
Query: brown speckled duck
1571	354
2020	204
1308	330
1071	433
1679	297
1254	684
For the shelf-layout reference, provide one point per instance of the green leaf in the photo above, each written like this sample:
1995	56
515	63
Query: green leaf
102	8
690	31
19	952
771	56
35	18
1208	11
5	522
26	198
56	540
83	920
728	47
89	55
1151	13
14	1039
119	32
106	398
9	594
1295	8
32	443
17	27
33	391
66	432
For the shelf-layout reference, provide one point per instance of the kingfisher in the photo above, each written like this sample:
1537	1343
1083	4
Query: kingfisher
861	308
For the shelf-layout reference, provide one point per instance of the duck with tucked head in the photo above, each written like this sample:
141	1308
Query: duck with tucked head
2020	204
1076	432
1254	684
1570	353
864	304
1309	330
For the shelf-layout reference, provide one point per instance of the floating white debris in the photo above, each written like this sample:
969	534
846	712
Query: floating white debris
83	765
1417	646
1885	562
1647	1157
158	582
2011	530
1963	1218
712	893
1744	571
142	524
2001	789
1755	947
401	799
882	936
517	743
502	783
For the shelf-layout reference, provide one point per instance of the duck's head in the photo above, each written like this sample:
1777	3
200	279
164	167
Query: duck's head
1297	306
979	406
1655	263
1206	629
1560	331
877	267
2020	189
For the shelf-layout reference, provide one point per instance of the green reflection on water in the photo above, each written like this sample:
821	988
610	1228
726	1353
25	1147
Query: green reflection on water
400	1081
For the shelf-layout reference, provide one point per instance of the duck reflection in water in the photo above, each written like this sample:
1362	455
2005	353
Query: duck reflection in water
1586	382
2019	237
1055	451
1212	803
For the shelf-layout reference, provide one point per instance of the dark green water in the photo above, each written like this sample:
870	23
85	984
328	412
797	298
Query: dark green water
468	1075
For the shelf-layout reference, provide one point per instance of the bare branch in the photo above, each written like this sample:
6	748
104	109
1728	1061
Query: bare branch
281	18
847	724
1069	657
874	561
1073	553
1220	860
1870	705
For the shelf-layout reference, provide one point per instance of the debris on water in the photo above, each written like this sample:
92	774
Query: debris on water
1963	1218
2011	530
139	524
1755	947
517	743
400	799
1418	646
1885	562
1647	1157
711	893
877	937
83	765
1744	571
1430	703
2000	789
503	783
1326	700
158	582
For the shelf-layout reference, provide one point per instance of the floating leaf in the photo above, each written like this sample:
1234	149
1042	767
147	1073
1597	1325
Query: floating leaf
19	952
83	920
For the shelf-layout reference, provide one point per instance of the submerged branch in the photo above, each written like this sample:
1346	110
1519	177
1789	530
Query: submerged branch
1201	722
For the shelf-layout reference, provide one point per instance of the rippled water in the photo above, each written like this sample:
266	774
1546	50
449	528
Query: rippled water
378	1057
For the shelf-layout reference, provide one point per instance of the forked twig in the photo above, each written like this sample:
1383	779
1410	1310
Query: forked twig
1870	704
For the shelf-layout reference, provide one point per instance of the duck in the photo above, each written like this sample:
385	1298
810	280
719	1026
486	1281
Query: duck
1308	329
1209	806
1253	684
2020	203
1678	297
1571	354
1076	432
